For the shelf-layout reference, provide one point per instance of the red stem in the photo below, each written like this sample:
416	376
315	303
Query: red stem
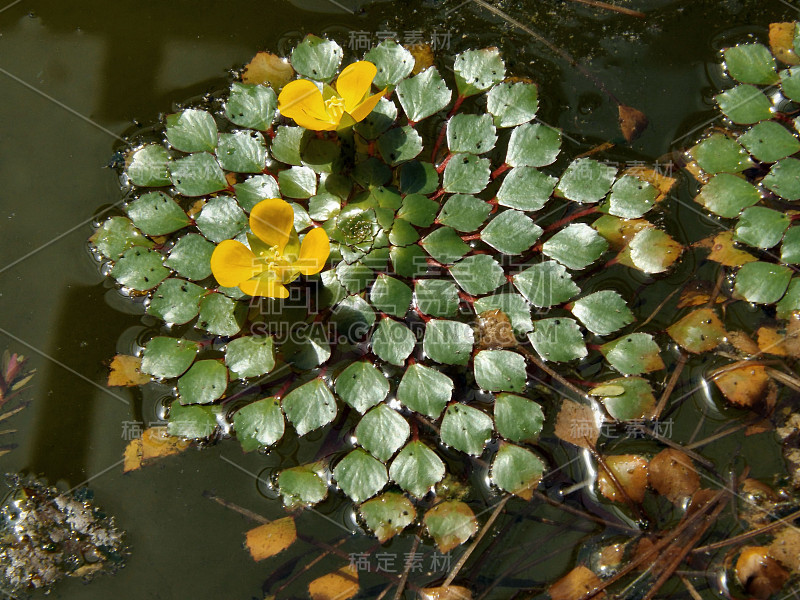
570	218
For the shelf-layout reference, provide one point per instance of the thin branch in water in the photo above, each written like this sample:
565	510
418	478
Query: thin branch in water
611	7
656	436
673	381
690	588
577	512
785	521
401	585
253	516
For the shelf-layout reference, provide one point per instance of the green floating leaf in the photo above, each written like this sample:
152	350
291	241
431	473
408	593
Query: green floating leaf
475	134
418	210
478	274
516	470
393	62
140	269
393	342
255	189
316	58
790	83
526	188
417	469
762	283
192	131
466	429
631	197
444	245
309	352
409	261
783	179
399	145
727	195
190	257
651	251
362	386
699	331
466	174
512	103
450	524
720	154
379	120
298	182
203	383
323	206
419	178
286	144
390	295
388	514
603	312
176	301
148	166
155	213
769	141
790	249
423	95
402	234
576	246
533	145
586	180
259	424
790	302
511	232
320	155
464	213
500	371
558	339
116	235
220	315
436	297
302	486
221	219
424	390
360	476
251	106
448	342
250	356
627	398
242	151
633	354
197	175
744	104
310	406
546	284
761	227
354	277
518	419
382	431
513	305
166	357
353	317
191	422
751	63
478	70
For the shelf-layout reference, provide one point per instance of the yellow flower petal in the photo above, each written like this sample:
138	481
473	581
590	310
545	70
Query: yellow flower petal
232	262
314	251
265	285
272	220
354	83
302	101
362	110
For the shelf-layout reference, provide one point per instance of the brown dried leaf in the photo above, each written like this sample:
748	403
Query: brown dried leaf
619	231
576	424
792	340
195	208
699	331
154	443
494	330
673	475
632	122
781	41
663	183
576	584
339	585
724	252
742	342
630	471
610	556
271	538
744	386
447	592
231	179
770	340
759	573
132	457
126	371
423	57
268	69
786	548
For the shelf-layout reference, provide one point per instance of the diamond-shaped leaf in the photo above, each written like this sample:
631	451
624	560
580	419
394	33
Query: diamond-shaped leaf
586	180
751	63
727	194
444	245
191	422
310	406
512	305
362	386
221	219
558	339
516	470
156	213
720	154
627	398
466	174
511	232
393	62
546	284
220	315
744	104
475	134
393	342
149	166
478	70
197	175
418	210
478	274
399	145
417	468
464	213
500	371
450	523
298	182
769	141
466	429
633	354
761	227
255	189
140	269
242	151
425	390
423	95
302	486
192	130
436	297
699	331
250	356
191	257
259	424
316	58
382	431
526	188
518	419
176	301
360	475
576	246
116	235
448	342
533	145
390	295
631	197
388	514
203	383
168	357
512	103
603	312
651	251
761	282
783	179
251	105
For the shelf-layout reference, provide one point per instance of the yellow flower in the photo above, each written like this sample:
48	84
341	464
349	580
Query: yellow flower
332	108
275	257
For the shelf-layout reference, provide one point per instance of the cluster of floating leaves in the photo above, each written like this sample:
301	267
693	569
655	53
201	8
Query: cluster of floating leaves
455	282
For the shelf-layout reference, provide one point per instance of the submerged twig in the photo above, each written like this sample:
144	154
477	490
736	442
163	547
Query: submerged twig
787	520
611	7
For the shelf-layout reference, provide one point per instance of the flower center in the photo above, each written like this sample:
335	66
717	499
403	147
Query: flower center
335	107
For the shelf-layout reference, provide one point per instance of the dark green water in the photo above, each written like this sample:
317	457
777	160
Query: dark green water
119	63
